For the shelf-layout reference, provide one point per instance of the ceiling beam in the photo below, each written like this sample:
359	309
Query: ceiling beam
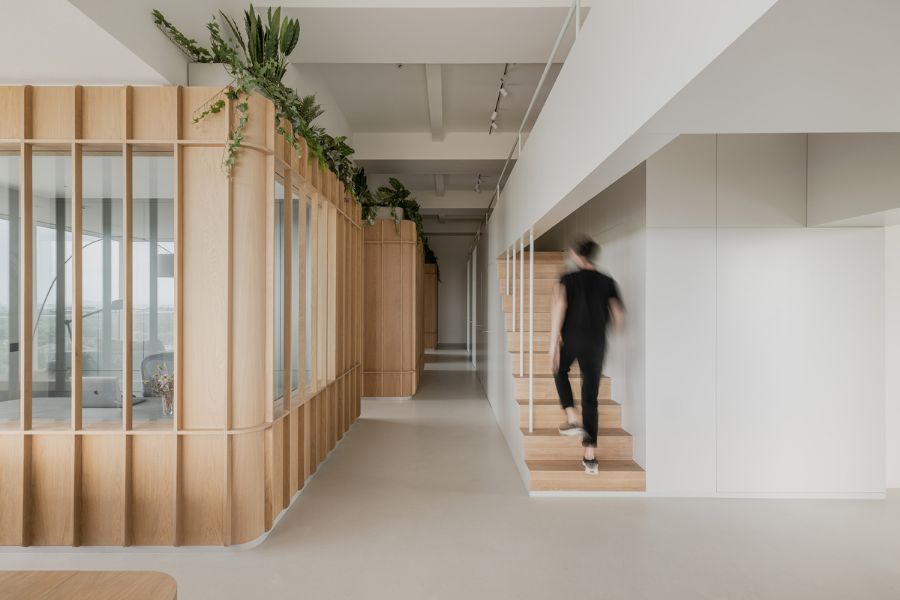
434	88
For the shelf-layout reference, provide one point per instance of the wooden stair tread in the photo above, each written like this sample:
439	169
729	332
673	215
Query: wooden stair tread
555	402
574	465
544	375
602	432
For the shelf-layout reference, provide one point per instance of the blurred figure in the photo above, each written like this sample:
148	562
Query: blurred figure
584	304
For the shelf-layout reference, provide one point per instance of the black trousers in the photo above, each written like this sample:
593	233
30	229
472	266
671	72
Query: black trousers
590	361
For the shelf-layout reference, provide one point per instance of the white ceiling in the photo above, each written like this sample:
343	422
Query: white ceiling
392	98
350	51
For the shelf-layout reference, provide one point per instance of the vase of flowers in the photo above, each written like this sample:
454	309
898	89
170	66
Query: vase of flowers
164	385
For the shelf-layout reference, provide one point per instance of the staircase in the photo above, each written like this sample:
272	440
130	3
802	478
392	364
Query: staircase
554	461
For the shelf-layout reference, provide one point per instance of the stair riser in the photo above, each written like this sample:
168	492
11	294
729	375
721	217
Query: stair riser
542	364
542	303
546	416
569	448
545	388
541	322
542	270
613	481
541	341
542	287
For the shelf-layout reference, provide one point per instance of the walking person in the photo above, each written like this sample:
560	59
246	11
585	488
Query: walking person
585	302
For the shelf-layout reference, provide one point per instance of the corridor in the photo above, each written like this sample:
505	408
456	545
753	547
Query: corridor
422	500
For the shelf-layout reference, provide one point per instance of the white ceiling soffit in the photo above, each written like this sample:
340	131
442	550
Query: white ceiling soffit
806	66
52	42
436	35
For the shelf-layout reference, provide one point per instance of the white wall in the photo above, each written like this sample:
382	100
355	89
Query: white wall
452	251
493	362
892	353
765	356
616	219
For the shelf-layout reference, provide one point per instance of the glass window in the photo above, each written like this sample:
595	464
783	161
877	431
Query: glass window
153	288
309	293
279	293
295	291
52	289
9	289
103	290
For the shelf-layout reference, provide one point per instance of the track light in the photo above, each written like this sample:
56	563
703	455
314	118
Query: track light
494	125
494	116
503	91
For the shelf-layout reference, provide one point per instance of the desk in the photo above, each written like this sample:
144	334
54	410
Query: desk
84	585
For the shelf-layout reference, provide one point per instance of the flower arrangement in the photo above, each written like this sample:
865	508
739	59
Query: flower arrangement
163	383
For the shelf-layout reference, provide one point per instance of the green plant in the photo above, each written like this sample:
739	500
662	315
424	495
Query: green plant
256	61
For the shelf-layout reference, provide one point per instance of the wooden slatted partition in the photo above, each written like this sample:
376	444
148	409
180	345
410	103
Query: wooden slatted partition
393	355
227	463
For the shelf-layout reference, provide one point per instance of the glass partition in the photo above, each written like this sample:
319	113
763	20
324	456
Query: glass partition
153	287
296	218
52	289
279	294
102	292
309	292
10	398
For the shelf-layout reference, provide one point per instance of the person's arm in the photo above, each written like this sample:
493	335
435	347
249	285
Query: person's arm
557	314
616	314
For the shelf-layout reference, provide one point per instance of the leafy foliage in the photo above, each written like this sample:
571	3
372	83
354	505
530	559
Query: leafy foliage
256	60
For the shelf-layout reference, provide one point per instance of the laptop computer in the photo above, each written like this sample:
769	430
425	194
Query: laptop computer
101	392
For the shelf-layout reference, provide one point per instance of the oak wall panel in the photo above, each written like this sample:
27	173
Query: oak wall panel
12	112
249	300
154	113
248	487
12	479
52	489
153	489
102	490
203	490
204	301
213	127
53	113
103	113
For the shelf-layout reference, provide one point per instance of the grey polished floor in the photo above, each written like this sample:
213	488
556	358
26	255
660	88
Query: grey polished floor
422	500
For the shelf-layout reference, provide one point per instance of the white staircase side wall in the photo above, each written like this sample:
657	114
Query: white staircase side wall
631	58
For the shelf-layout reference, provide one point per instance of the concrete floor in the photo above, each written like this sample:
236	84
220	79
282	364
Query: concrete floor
422	500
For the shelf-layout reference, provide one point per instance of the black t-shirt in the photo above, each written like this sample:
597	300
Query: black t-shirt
587	306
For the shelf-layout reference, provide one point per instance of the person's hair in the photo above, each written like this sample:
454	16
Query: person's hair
585	247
